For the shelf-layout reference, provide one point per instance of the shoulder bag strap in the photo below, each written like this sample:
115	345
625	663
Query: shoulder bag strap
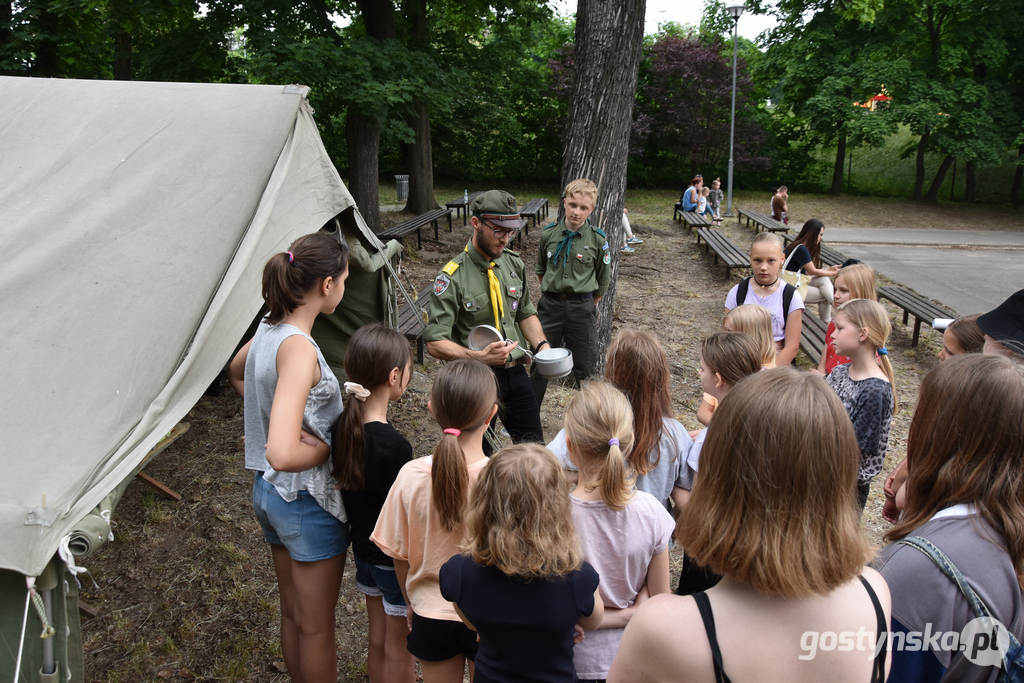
709	627
882	640
947	567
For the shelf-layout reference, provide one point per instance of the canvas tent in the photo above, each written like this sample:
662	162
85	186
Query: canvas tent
134	222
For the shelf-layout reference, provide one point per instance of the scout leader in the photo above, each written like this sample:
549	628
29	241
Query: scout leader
486	284
573	266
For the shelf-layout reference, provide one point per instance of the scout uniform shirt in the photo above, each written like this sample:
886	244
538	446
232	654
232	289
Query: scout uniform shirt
462	299
571	264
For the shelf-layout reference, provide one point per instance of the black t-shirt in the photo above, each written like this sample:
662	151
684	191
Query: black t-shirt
801	257
385	450
525	627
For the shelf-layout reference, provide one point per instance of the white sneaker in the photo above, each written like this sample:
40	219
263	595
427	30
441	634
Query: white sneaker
634	240
626	249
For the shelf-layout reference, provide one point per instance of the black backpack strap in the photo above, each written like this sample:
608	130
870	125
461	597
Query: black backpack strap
788	291
878	673
741	291
704	606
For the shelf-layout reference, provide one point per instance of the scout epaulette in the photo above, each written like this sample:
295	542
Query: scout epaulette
600	232
513	253
550	225
450	267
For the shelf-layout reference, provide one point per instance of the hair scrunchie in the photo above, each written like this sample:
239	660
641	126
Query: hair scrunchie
357	390
453	431
882	351
613	441
291	257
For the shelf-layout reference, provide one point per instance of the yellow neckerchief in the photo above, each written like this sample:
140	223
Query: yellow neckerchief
494	285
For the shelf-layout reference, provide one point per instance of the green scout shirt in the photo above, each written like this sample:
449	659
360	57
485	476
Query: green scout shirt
585	269
462	298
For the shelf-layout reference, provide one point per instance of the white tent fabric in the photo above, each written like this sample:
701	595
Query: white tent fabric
135	219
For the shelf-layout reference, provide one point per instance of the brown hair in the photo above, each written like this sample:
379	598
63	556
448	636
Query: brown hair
581	186
518	519
966	445
871	317
860	280
967	333
756	322
462	397
808	236
288	277
372	353
733	355
598	416
638	367
774	506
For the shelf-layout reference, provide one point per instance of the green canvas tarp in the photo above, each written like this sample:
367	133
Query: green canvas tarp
135	219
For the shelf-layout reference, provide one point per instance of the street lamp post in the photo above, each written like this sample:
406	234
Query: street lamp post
734	11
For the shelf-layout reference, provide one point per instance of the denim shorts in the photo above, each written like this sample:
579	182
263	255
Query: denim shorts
307	531
380	581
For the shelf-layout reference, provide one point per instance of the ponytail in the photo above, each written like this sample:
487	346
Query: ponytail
289	275
599	429
373	352
463	395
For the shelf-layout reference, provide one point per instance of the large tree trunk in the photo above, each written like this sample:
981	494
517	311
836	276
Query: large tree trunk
940	175
46	49
363	133
122	55
419	155
922	147
1018	177
6	17
970	182
837	170
609	35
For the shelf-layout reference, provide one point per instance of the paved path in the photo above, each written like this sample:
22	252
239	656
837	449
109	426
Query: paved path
971	271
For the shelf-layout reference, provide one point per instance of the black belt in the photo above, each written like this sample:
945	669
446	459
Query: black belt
563	296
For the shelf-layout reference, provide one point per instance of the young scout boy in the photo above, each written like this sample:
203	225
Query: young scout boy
573	266
485	283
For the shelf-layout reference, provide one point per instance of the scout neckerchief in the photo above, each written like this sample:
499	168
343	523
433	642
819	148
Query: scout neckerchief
494	285
567	237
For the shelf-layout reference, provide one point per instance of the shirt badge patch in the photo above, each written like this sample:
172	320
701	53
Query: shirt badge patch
607	259
605	245
441	283
515	304
549	254
579	257
470	306
513	290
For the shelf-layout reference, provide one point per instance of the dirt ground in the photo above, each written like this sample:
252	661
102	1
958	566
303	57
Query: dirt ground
187	590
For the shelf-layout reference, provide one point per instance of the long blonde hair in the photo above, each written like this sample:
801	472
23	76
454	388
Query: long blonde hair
462	397
756	322
599	433
860	280
518	519
871	317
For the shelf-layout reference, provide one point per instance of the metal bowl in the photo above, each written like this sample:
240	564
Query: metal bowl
482	335
553	362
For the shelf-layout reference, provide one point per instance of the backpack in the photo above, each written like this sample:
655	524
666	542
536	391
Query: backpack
1013	659
787	297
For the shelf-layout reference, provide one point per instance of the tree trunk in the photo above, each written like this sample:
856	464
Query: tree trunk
46	49
6	51
922	146
609	35
363	137
837	170
970	183
940	175
122	55
419	155
1018	177
362	133
420	160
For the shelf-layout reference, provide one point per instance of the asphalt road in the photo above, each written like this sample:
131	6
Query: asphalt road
970	271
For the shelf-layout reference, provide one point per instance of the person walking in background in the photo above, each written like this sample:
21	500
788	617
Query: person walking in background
574	269
780	205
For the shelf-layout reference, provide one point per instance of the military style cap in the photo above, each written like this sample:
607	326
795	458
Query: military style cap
497	207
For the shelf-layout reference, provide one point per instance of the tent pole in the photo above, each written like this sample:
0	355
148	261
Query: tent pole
46	582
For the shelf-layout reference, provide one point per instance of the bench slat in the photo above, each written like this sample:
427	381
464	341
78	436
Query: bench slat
914	304
730	255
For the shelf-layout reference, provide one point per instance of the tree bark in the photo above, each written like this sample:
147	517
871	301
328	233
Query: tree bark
970	182
1018	177
122	55
46	49
922	146
837	170
362	133
609	35
940	175
6	17
419	155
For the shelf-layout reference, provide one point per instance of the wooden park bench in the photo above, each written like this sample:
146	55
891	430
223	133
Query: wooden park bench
760	221
913	303
695	220
812	336
461	205
730	255
534	210
829	256
400	231
412	319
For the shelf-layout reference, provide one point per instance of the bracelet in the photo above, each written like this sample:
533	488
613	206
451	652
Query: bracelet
539	344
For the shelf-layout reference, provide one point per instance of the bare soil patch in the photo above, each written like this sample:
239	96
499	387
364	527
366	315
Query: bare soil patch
187	590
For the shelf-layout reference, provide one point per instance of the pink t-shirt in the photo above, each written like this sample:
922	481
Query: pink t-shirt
619	544
409	528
